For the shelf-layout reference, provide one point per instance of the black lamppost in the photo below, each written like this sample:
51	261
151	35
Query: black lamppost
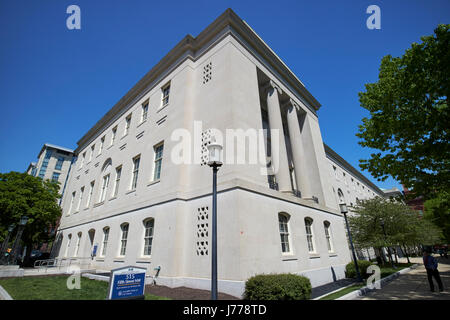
344	211
215	161
389	250
5	244
23	221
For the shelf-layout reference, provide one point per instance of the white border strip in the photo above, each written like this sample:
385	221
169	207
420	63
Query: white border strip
4	294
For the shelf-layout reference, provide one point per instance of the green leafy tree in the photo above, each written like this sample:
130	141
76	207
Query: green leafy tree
24	195
437	210
409	117
402	226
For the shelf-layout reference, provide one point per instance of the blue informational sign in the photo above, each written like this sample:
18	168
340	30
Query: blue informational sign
127	283
94	251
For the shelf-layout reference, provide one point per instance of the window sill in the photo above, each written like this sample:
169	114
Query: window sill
124	136
130	191
289	257
99	204
75	212
332	254
153	182
140	124
314	255
112	145
100	259
163	107
112	198
119	259
146	259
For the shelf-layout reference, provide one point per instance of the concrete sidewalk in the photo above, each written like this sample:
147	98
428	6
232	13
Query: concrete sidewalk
414	285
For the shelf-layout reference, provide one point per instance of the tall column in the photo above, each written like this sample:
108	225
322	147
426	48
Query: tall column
278	146
298	152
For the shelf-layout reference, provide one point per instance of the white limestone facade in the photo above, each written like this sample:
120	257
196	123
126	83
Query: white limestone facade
128	195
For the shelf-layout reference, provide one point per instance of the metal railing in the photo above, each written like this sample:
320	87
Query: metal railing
61	263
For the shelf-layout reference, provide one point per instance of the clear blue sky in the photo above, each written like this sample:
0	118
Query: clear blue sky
55	83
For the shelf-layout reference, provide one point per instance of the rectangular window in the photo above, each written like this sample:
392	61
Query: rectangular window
104	188
102	142
80	198
309	235
91	191
148	237
165	95
92	152
123	241
134	179
82	159
59	163
113	135
55	176
127	125
326	225
144	111
44	164
71	202
158	149
105	241
116	185
284	233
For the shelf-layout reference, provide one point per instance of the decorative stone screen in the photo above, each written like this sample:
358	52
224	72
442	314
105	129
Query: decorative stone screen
202	244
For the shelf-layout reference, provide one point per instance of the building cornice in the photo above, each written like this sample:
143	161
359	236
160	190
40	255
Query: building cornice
192	48
330	153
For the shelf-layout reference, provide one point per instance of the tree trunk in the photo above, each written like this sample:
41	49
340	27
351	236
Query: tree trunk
27	257
405	253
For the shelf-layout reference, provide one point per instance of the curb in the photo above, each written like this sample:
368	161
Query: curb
4	295
95	277
331	292
363	291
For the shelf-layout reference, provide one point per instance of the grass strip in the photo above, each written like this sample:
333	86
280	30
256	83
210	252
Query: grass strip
55	288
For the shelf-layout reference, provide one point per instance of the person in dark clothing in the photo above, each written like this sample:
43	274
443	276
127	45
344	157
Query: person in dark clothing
431	265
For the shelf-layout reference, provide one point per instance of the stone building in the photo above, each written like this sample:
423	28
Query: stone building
53	163
131	197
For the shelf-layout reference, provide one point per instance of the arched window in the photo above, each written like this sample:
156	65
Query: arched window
105	241
148	236
309	234
77	248
283	222
326	226
123	241
106	168
341	196
69	239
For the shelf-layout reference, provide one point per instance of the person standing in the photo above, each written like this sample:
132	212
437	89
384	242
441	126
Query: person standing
431	266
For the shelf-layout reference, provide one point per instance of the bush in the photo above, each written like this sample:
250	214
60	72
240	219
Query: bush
284	286
350	271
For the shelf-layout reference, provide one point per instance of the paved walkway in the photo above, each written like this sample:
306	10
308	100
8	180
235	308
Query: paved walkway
414	285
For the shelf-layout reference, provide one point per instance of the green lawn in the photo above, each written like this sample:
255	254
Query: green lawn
386	270
343	292
55	288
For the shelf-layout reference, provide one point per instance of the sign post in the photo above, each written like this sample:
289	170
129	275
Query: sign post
127	283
